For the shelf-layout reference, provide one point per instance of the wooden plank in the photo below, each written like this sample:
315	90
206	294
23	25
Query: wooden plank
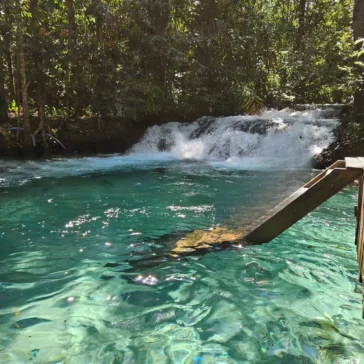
337	164
359	209
317	178
361	160
300	204
353	163
287	201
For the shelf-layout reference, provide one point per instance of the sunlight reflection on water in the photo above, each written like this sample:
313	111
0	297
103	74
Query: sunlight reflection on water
87	277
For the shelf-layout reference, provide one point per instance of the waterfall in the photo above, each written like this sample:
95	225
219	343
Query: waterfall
275	139
283	139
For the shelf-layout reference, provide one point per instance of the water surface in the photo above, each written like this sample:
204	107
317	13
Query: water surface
86	275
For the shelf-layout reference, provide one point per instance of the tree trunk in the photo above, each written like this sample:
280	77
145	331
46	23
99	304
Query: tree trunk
71	27
18	91
72	77
160	15
41	77
301	21
42	96
3	102
12	82
8	56
358	28
299	53
23	75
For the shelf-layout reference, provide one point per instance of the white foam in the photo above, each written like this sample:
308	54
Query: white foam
16	172
287	139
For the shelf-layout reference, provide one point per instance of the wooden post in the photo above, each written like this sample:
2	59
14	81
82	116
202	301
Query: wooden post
360	233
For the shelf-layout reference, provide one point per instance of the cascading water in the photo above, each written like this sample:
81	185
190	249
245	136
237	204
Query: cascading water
276	139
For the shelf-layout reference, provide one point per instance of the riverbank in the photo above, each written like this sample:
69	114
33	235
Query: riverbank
88	138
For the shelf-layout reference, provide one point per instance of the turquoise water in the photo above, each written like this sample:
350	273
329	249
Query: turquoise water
86	276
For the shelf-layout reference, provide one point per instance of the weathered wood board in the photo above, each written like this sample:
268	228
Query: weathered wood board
353	163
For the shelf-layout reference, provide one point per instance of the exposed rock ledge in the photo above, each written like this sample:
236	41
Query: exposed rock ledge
339	149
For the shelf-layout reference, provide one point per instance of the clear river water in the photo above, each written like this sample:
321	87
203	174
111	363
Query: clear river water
86	274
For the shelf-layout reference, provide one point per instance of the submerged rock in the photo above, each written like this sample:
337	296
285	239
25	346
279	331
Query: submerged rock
202	239
164	145
205	126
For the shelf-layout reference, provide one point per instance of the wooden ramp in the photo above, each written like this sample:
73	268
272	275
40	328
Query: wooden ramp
306	199
312	195
359	239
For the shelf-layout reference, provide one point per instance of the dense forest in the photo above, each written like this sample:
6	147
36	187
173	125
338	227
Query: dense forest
121	63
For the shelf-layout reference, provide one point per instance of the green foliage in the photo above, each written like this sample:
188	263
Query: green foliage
13	107
141	59
254	105
355	134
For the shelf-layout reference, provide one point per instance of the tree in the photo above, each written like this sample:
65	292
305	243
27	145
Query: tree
23	74
3	49
125	61
8	37
358	28
301	20
38	66
71	69
3	102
